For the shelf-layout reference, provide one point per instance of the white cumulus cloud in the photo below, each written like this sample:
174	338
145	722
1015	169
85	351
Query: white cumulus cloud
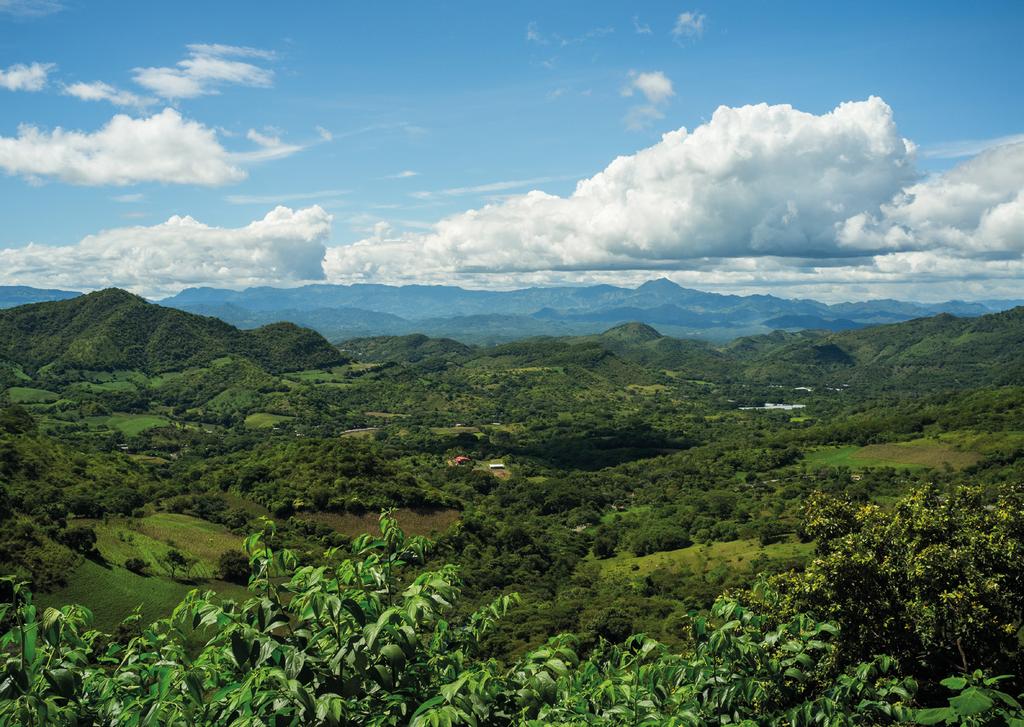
22	77
758	180
285	246
163	147
655	86
656	89
975	209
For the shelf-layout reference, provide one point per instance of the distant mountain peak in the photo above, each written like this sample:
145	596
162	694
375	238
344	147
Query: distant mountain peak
660	284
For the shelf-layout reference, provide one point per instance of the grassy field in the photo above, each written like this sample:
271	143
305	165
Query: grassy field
28	395
916	454
263	420
204	540
736	554
129	424
91	386
984	442
112	593
363	432
414	522
151	537
455	430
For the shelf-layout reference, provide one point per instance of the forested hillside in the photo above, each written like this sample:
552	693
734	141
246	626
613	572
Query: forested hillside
115	330
806	528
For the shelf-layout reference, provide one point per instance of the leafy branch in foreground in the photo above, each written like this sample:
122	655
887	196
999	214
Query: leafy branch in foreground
345	644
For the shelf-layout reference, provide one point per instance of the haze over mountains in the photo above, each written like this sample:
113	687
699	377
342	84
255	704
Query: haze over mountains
482	316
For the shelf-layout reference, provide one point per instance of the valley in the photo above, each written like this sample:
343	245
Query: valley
618	482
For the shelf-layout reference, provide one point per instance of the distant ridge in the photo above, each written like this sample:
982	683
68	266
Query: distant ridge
113	329
15	295
342	312
488	316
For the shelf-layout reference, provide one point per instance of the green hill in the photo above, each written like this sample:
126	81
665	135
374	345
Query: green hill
942	350
642	344
414	348
113	329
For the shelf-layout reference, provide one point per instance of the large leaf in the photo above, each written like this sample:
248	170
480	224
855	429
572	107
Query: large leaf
970	701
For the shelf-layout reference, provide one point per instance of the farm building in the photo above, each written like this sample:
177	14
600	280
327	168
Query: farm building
462	459
497	466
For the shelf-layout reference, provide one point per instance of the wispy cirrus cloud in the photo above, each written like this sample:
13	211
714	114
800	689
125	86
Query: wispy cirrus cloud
534	35
205	69
688	25
286	197
488	187
100	91
30	8
968	147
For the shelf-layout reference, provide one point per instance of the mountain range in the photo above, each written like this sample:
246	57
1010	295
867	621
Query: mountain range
341	312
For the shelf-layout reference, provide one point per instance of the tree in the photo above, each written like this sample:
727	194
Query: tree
605	542
174	561
16	419
935	581
81	539
233	567
136	565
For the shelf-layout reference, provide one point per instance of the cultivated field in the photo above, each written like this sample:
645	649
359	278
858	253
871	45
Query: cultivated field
915	454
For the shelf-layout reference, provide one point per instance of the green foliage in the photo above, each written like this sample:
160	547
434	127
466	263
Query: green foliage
233	566
936	580
976	702
344	644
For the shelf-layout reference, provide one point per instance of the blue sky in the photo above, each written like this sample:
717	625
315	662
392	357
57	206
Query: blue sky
390	117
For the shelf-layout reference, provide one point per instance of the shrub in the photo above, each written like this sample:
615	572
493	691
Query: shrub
136	565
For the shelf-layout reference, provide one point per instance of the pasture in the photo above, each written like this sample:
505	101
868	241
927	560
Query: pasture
737	555
128	424
28	395
264	420
915	454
